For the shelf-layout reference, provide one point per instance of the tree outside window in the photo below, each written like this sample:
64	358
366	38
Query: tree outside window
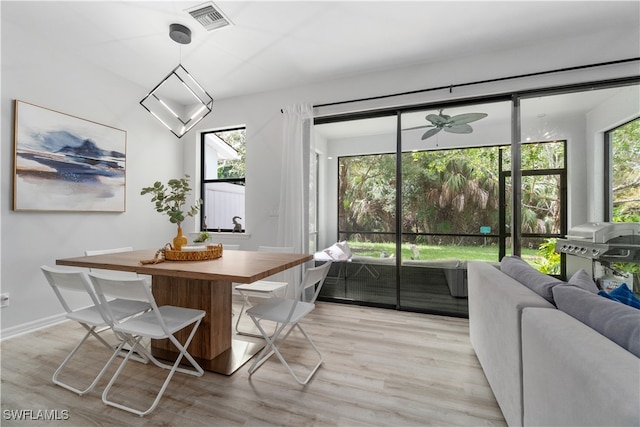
448	198
625	172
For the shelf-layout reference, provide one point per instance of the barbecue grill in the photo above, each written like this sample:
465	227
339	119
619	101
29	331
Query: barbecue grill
603	242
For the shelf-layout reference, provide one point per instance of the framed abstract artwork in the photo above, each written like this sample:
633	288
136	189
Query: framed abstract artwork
65	163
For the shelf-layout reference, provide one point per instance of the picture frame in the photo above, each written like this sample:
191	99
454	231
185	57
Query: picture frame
65	163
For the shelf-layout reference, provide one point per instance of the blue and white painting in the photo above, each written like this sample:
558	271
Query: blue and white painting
64	163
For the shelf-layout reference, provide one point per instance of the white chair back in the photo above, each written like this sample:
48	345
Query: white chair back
74	281
131	289
313	276
106	287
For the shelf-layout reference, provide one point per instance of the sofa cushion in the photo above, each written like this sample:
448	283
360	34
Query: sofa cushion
540	283
583	280
618	322
622	294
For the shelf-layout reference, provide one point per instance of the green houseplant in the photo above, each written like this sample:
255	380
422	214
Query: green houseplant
202	237
169	199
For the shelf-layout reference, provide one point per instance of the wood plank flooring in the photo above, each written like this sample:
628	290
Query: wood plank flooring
381	368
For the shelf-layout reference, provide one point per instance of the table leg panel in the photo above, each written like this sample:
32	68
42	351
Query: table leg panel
214	297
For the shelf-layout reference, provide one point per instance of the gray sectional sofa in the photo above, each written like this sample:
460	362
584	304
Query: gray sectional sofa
546	367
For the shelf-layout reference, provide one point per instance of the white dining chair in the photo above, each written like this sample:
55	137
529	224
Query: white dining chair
288	313
261	288
118	274
158	323
67	282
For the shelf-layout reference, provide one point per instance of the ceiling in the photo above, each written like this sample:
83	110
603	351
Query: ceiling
272	45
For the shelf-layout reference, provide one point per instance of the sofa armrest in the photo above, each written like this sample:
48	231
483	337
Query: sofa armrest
575	376
496	302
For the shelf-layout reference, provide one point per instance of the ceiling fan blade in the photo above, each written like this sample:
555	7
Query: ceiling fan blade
461	119
463	128
430	133
419	127
438	120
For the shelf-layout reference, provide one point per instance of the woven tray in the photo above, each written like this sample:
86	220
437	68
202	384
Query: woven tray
212	252
168	254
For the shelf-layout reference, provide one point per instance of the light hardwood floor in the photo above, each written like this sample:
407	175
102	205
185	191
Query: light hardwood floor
381	368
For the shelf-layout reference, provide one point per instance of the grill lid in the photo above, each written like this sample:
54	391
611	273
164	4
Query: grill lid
603	232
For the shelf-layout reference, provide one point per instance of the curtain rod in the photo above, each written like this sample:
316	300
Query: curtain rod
499	79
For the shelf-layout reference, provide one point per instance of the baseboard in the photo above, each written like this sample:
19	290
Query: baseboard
29	327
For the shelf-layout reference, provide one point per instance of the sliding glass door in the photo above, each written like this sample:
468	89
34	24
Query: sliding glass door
362	154
449	201
416	192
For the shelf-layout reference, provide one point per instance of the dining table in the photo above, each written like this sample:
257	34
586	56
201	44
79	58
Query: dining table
205	285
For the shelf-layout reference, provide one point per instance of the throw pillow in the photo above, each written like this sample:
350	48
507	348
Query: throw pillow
618	322
335	253
518	269
345	248
622	294
583	280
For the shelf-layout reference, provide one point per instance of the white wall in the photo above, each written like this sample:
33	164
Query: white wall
51	77
615	112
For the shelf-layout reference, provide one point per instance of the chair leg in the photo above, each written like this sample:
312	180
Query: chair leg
172	370
271	348
246	304
267	351
91	331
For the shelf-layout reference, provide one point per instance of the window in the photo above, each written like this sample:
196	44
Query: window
623	180
223	180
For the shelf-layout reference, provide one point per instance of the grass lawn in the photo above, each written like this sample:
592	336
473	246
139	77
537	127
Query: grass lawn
434	252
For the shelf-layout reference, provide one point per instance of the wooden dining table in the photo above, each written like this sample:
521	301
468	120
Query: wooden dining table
204	285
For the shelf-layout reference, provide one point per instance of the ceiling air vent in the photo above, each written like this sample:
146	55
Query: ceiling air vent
209	16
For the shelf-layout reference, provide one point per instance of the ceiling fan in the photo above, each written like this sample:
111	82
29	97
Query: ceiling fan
453	124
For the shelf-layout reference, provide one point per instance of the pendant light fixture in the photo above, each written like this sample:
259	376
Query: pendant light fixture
179	102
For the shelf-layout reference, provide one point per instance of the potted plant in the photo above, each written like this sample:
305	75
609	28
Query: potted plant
202	237
169	199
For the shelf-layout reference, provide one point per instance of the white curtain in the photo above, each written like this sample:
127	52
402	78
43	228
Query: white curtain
293	222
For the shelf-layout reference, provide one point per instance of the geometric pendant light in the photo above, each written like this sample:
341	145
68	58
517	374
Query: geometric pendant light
179	102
